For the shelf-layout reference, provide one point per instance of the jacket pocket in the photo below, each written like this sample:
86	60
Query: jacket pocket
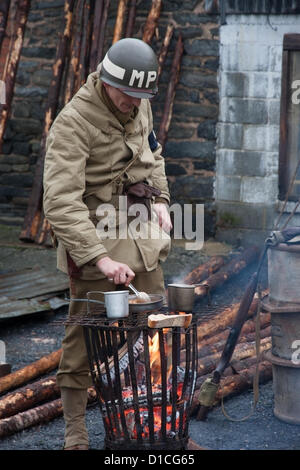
155	247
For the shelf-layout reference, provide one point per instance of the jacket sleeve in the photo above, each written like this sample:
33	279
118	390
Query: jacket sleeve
67	151
158	177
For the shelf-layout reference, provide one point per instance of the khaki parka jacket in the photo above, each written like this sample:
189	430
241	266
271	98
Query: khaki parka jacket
90	155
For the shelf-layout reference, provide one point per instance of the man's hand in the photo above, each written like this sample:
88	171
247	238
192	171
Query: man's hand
163	215
118	272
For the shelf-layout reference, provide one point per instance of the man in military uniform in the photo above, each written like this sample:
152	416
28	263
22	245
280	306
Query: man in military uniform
102	145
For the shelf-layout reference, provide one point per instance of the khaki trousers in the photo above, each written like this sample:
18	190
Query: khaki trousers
73	376
73	371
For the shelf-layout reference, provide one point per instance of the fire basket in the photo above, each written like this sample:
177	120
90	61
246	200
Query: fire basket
144	379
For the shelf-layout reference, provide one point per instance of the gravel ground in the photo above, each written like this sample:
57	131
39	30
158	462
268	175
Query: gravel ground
27	339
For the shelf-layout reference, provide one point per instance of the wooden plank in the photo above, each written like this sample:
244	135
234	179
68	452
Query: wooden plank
291	42
164	49
13	61
170	94
118	31
34	214
85	46
102	30
98	34
4	9
283	174
152	20
72	72
98	11
289	123
130	19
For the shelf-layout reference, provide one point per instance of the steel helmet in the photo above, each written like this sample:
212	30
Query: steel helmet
131	65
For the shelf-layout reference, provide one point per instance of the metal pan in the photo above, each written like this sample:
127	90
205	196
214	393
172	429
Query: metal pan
156	302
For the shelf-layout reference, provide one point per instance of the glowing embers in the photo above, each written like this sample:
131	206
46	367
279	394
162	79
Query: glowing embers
144	420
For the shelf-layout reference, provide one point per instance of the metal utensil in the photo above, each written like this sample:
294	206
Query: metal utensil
140	295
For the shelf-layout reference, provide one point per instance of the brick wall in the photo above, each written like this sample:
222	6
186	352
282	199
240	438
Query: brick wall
190	149
246	188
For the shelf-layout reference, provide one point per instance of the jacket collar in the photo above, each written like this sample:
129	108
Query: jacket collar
89	103
123	118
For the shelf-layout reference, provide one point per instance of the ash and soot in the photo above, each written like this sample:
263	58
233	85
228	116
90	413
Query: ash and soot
31	337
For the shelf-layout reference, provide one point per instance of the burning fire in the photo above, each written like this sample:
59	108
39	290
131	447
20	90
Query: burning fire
159	402
154	353
155	363
154	350
130	419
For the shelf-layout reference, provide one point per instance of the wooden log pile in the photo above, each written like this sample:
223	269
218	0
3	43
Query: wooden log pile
30	372
248	363
35	402
232	269
39	401
37	415
80	49
205	270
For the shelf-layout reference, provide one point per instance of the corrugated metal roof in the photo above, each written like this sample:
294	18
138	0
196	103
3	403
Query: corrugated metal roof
10	308
31	291
32	283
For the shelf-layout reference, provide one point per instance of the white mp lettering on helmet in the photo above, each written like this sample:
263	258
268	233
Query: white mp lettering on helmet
151	77
113	69
136	75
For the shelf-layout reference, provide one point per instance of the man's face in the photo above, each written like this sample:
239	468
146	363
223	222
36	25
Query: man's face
123	102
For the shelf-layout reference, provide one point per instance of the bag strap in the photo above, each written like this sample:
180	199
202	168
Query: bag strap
119	175
131	162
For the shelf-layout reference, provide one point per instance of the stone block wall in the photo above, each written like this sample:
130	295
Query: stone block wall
246	186
21	144
190	149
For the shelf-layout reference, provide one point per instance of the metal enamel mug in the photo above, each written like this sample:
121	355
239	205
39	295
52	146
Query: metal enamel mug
116	302
181	297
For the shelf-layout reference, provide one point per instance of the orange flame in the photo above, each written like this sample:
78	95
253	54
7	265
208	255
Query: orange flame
154	358
154	353
154	350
